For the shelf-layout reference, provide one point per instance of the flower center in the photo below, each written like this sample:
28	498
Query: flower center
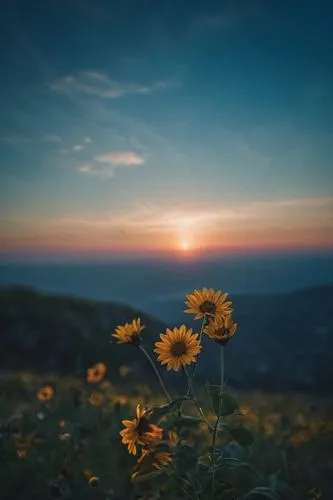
222	332
208	307
178	349
143	426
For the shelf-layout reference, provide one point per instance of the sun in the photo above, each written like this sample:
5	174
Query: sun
185	246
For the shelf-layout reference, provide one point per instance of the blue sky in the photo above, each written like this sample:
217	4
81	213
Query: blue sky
157	125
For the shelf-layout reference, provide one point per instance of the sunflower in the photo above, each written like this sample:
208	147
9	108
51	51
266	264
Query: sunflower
129	333
178	347
96	398
207	303
151	459
139	431
96	373
221	329
45	393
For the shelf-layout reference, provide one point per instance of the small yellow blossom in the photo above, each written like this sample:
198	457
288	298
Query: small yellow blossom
96	373
45	393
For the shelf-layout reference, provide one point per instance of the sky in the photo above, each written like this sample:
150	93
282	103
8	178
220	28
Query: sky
151	127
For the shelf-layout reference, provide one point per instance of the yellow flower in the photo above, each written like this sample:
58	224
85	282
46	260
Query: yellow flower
139	431
96	373
221	329
45	393
151	459
178	347
207	303
129	333
96	398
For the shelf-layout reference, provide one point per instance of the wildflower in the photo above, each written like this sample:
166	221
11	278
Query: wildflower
62	423
151	459
45	393
129	333
139	431
207	303
96	373
93	482
40	415
178	347
221	329
96	398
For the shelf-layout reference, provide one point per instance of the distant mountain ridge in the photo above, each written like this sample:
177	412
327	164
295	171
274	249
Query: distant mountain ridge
284	341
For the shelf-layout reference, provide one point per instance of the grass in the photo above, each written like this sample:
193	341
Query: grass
55	449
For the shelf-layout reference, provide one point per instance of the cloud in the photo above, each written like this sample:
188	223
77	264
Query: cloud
120	158
99	85
87	140
51	138
104	166
77	147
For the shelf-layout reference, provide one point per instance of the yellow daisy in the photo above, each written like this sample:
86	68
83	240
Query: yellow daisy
45	393
139	431
207	303
221	329
129	333
96	373
178	347
151	459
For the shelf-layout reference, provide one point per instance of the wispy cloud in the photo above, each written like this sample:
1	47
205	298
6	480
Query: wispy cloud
98	84
104	166
77	147
120	158
87	140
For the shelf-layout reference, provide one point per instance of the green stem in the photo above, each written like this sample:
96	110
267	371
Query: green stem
195	364
156	372
200	410
218	417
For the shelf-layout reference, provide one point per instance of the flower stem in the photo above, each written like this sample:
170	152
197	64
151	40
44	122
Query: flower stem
195	364
200	410
218	417
156	372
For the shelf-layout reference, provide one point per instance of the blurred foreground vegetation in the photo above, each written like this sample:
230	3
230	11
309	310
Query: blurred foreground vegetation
69	446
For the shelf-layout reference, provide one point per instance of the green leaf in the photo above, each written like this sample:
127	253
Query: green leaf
228	405
242	435
261	493
162	410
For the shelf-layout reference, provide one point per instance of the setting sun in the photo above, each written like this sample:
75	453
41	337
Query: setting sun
185	246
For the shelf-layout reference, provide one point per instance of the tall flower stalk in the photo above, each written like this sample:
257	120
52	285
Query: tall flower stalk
152	364
218	416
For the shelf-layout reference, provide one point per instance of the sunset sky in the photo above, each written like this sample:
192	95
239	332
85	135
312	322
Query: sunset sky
165	126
